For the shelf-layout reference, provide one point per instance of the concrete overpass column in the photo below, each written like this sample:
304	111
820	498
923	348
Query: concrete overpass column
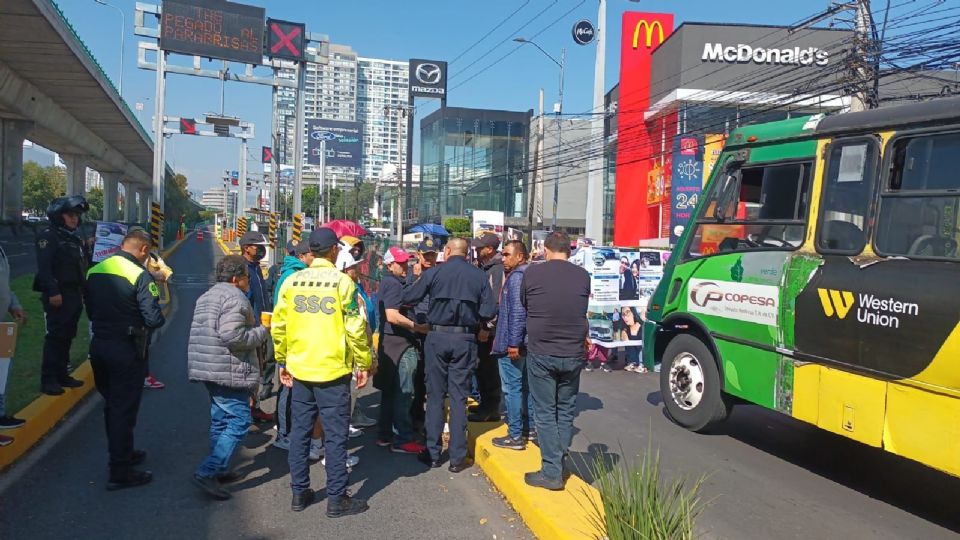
129	202
12	134
144	217
110	192
76	173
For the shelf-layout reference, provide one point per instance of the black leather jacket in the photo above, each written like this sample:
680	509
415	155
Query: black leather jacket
61	262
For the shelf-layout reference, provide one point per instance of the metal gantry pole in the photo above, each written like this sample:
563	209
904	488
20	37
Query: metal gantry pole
159	169
322	202
593	226
298	139
242	188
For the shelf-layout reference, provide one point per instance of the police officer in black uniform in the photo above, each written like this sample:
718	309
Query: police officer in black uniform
123	306
460	301
61	268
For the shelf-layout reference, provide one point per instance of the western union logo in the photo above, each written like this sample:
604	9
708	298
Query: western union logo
837	303
648	29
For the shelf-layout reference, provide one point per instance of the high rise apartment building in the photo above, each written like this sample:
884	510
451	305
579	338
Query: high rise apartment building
349	88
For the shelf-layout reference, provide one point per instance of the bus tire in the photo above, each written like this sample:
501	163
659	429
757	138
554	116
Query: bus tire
690	384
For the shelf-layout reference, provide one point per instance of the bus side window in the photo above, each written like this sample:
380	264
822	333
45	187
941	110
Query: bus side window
845	200
755	208
918	216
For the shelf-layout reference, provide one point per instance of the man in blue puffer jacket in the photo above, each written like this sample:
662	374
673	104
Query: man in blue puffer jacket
509	348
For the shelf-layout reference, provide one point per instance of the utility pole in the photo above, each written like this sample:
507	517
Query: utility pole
863	98
535	191
594	214
322	201
559	110
299	128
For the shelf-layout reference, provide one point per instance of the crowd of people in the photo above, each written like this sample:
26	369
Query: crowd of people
496	329
482	324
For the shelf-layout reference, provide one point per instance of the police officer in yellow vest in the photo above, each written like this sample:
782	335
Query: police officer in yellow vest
319	336
123	307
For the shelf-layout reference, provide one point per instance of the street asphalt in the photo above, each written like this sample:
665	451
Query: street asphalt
58	490
768	475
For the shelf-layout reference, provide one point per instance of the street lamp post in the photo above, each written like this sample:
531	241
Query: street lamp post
558	110
123	28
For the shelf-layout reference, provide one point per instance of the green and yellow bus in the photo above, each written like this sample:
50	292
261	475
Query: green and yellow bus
820	277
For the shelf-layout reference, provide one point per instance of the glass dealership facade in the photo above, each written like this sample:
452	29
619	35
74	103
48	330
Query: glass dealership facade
473	159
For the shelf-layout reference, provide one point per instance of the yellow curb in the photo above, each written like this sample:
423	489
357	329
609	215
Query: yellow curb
553	515
43	414
169	251
226	249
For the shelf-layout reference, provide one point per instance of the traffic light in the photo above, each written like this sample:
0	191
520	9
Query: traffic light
266	155
188	126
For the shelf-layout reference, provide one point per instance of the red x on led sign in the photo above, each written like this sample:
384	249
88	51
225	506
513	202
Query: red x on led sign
188	126
285	39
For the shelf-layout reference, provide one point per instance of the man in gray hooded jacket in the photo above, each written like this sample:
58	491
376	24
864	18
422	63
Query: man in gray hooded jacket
222	354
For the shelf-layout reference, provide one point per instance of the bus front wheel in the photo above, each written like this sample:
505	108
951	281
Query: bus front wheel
690	384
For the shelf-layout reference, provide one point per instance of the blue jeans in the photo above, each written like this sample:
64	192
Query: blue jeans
554	385
229	421
516	396
395	402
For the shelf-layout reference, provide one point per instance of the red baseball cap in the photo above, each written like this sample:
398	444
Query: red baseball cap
395	255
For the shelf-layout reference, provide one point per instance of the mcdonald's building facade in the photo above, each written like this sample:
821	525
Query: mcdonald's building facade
699	81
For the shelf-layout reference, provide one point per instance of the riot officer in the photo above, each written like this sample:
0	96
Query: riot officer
460	301
61	270
122	302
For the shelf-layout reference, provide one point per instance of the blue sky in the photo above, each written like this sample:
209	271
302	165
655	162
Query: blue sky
436	29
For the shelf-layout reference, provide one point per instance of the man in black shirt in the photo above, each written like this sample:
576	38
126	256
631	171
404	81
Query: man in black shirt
460	301
398	358
488	370
555	294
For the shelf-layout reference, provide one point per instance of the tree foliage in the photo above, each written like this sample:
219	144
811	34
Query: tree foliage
457	226
41	185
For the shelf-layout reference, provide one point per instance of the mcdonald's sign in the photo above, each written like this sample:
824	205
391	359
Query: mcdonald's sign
640	34
648	29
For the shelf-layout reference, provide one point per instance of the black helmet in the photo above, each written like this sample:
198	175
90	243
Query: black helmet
61	205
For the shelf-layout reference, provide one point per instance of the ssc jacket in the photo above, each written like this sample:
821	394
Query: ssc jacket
121	297
61	262
317	328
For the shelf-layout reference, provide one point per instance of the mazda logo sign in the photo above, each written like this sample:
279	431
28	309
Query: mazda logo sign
428	73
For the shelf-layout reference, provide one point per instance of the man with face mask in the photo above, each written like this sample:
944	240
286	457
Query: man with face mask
61	267
253	248
122	303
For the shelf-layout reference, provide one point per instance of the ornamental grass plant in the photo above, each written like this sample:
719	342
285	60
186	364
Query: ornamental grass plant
638	503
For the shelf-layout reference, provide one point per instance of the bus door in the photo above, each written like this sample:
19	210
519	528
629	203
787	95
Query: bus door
755	218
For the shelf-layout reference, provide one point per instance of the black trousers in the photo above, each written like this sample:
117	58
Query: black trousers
450	361
488	377
61	329
267	372
331	401
118	371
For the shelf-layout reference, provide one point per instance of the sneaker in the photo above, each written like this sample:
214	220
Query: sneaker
532	437
151	382
361	420
512	443
605	368
259	415
630	367
70	382
211	487
282	443
316	449
352	461
411	447
656	368
536	479
354	433
383	442
588	367
9	422
129	479
5	441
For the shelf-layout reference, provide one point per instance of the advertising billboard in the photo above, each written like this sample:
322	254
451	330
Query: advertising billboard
344	142
213	29
487	221
641	33
686	183
712	147
428	78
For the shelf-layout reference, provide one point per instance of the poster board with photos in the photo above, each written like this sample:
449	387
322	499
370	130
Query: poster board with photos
622	281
